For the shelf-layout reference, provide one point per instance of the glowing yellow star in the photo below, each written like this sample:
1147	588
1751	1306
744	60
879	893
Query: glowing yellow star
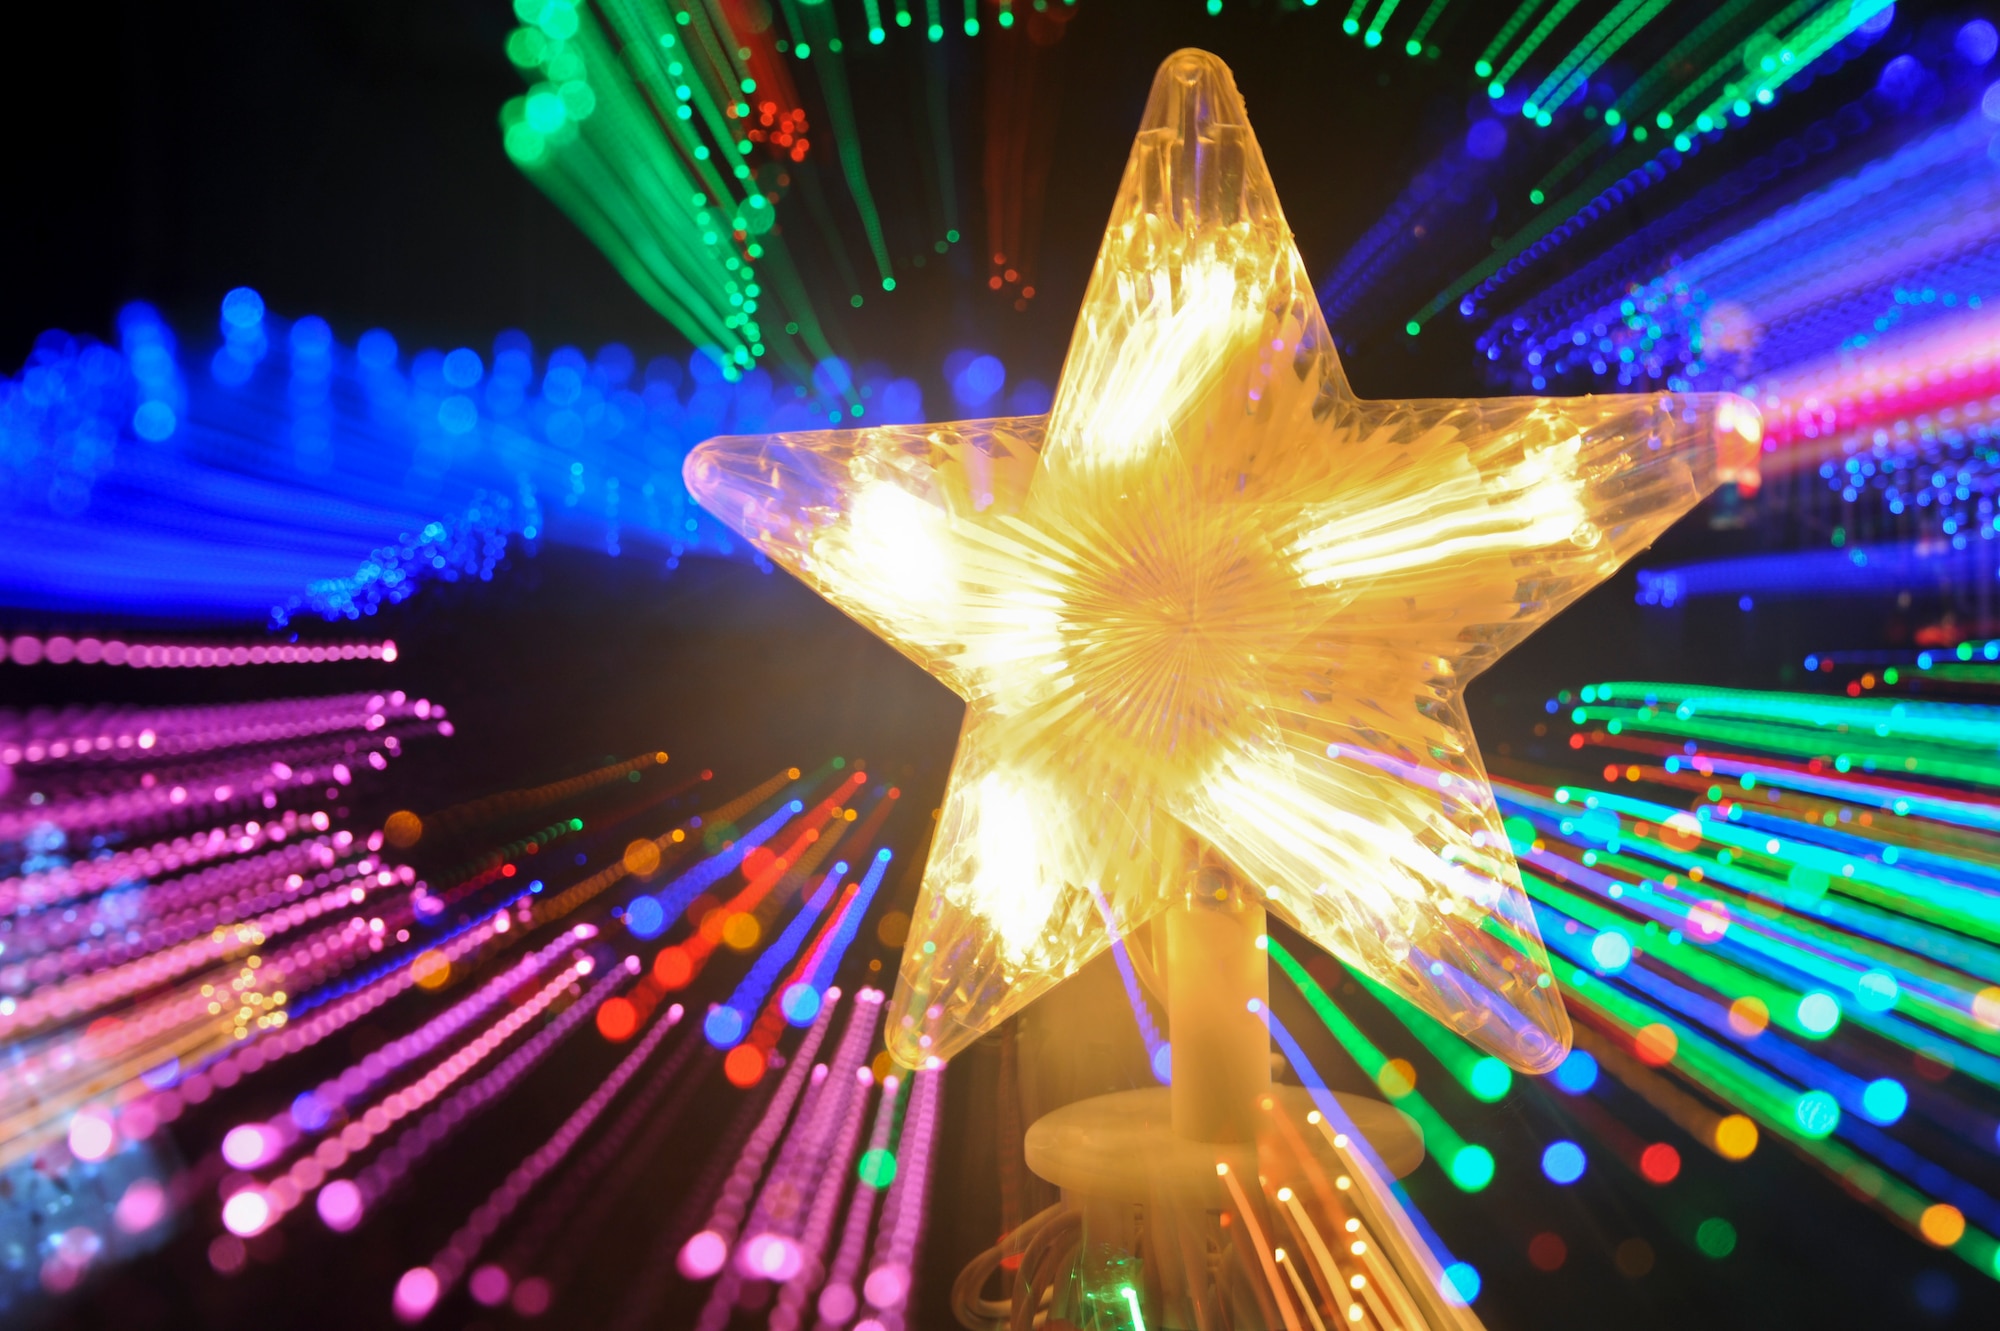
1213	604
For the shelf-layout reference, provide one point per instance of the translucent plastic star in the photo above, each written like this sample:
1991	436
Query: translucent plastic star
1213	604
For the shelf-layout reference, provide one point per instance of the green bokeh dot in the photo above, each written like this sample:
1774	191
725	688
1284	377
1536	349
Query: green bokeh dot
1715	1237
876	1168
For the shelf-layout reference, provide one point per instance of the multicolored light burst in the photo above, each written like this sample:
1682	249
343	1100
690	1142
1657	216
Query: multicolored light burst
192	908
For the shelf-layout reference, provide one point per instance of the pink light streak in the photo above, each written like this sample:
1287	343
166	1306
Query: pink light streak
448	1267
707	1251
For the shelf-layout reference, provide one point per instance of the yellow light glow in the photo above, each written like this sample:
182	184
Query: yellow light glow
1215	604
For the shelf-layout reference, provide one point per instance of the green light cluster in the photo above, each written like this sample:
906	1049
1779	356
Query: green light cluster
634	125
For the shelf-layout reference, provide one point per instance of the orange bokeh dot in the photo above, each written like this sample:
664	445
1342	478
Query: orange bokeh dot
1735	1137
1748	1017
617	1019
1611	771
1547	1251
1942	1224
1660	1163
403	829
744	1066
642	857
673	968
1657	1044
1397	1078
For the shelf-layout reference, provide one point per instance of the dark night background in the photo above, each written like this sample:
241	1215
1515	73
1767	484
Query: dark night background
343	158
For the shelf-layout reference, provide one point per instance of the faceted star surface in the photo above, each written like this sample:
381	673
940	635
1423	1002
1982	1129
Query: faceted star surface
1215	605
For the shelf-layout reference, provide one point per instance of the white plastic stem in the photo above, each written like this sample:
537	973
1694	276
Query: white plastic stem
1215	970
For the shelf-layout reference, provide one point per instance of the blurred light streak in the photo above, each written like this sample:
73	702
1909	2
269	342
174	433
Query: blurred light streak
451	1262
755	987
1158	1055
892	1268
1633	166
27	650
390	470
838	1299
287	1190
1825	895
1376	1194
1469	1167
707	1252
409	1148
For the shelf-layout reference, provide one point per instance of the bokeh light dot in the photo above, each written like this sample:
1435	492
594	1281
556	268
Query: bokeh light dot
1817	1113
1942	1224
1563	1162
1660	1163
1885	1100
1577	1073
1472	1168
745	1065
1735	1137
1819	1014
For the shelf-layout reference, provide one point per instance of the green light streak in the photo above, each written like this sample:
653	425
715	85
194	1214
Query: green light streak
1639	94
1812	39
1424	24
1897	737
825	33
1644	89
1534	40
1618	20
1731	62
1444	1141
645	187
1132	1301
1373	37
1632	28
1460	1059
1484	66
1762	1094
1351	25
1842	21
1961	1042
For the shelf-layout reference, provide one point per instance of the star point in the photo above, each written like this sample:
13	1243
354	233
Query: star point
1214	609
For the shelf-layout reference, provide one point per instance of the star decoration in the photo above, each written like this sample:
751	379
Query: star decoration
1213	608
